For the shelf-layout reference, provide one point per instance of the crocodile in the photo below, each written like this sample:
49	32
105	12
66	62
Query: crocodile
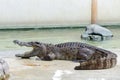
89	57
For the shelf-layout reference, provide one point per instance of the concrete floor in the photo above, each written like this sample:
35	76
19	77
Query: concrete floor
30	69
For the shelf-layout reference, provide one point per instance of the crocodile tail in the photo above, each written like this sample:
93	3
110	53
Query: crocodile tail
97	64
99	61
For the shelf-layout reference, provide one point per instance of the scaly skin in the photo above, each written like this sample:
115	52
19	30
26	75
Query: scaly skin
90	57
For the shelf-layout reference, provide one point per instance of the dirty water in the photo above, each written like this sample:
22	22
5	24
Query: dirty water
32	69
53	36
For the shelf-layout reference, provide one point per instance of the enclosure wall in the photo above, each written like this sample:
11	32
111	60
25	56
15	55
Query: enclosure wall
56	12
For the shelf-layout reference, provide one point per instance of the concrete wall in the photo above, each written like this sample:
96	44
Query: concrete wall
44	11
108	11
57	12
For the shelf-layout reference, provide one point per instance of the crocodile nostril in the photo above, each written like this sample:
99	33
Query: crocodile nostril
15	41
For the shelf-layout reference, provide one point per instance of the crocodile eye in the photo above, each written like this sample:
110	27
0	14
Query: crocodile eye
37	42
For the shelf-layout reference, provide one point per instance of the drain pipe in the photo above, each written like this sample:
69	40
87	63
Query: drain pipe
93	11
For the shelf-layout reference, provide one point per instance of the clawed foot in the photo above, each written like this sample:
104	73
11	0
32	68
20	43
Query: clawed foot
82	68
77	68
47	58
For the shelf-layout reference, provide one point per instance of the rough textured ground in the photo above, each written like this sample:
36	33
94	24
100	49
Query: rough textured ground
30	69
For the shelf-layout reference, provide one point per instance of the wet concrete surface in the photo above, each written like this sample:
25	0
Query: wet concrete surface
31	69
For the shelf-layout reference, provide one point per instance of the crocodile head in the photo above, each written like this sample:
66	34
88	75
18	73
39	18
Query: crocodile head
39	49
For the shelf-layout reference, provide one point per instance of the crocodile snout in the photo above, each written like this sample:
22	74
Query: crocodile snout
15	41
